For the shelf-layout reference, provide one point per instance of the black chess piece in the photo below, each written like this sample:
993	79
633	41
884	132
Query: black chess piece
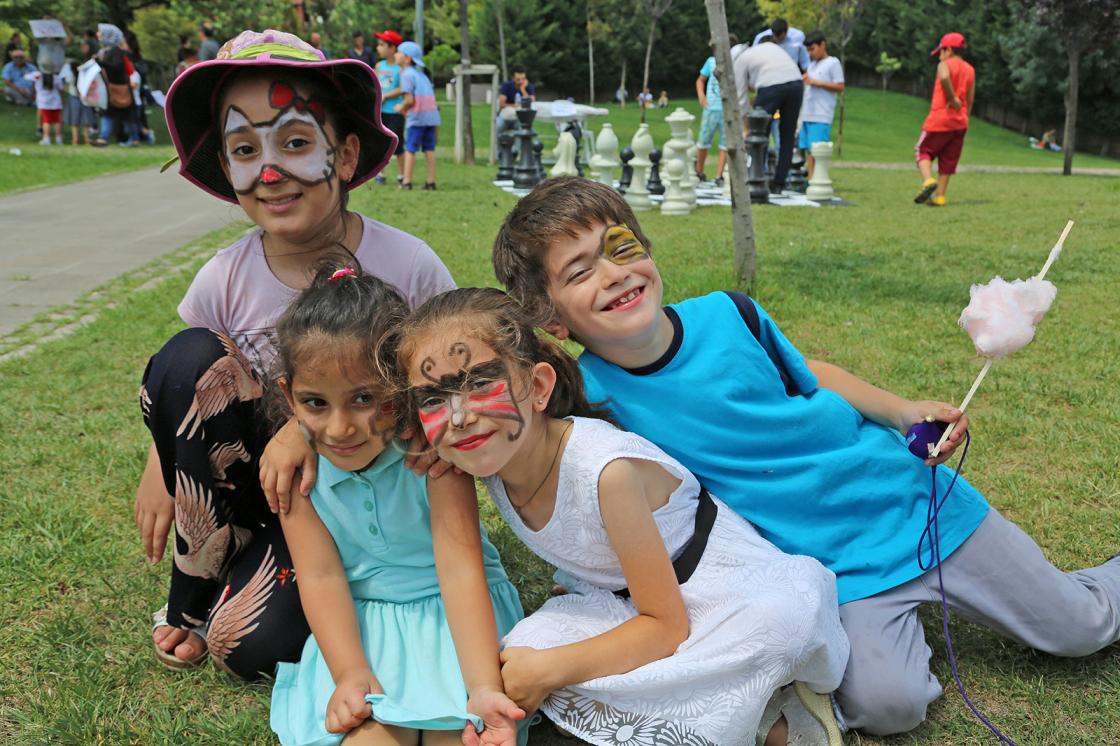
653	184
577	133
505	155
538	148
626	156
526	174
758	142
797	179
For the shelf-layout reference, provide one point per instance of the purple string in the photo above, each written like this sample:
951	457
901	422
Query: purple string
932	535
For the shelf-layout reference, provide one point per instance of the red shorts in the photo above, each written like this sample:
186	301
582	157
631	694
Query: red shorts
943	146
50	116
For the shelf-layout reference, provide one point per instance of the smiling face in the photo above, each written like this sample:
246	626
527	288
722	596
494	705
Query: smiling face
473	409
282	157
336	403
605	288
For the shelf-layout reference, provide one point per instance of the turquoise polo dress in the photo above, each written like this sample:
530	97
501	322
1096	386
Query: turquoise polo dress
380	520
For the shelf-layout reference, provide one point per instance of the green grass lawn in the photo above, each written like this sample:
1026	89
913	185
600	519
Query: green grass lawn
40	165
876	288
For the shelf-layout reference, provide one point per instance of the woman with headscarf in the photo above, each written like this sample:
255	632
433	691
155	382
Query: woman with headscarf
118	72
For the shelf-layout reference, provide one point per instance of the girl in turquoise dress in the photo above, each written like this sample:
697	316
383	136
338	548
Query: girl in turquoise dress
381	666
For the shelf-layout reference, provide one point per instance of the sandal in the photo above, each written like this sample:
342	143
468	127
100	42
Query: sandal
169	659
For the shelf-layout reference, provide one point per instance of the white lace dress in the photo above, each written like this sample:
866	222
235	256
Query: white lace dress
758	618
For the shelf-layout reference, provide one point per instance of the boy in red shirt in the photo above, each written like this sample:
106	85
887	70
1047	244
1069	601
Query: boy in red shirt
947	123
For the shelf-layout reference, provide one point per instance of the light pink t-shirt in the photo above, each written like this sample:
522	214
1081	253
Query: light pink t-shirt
236	293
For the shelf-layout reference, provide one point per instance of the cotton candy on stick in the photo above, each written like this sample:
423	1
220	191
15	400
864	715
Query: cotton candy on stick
1001	317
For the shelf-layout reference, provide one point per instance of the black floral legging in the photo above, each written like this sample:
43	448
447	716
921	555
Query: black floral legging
202	401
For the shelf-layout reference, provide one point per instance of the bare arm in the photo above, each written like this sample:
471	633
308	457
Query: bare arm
887	409
701	92
947	85
325	595
834	87
407	104
457	542
971	95
660	625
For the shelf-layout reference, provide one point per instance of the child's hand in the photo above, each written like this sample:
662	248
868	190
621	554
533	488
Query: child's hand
347	708
287	453
499	715
525	673
421	460
916	411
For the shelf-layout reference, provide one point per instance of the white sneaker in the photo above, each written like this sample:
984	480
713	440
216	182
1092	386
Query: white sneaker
58	140
45	141
808	715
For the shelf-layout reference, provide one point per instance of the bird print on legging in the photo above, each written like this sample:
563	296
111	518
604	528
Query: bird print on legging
224	455
208	545
230	378
234	616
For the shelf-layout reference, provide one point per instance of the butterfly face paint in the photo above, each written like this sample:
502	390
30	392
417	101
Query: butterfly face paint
292	145
447	403
619	245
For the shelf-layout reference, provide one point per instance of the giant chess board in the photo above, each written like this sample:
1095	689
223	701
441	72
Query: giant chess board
710	195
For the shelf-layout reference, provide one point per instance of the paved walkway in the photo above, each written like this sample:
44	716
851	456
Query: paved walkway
57	244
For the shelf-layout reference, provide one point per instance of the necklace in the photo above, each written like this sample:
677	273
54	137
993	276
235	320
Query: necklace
547	474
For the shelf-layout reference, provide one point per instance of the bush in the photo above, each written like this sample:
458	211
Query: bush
158	29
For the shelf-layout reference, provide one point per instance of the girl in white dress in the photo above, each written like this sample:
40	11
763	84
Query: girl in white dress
681	623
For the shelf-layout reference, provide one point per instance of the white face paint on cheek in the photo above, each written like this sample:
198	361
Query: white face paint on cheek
458	412
311	164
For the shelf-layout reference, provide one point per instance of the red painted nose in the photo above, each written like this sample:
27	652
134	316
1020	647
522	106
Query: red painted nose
270	175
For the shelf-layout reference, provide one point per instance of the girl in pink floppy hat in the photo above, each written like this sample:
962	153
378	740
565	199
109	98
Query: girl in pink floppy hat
271	126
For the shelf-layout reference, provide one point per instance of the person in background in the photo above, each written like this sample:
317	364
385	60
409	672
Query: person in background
768	70
184	47
316	40
947	123
48	100
791	39
208	46
422	114
711	120
824	80
18	88
663	100
620	96
512	91
389	76
14	43
645	99
75	114
91	39
140	92
357	50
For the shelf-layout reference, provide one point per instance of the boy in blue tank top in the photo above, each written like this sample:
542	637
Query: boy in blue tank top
808	452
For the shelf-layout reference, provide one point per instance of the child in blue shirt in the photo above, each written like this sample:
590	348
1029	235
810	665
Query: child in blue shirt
422	114
809	453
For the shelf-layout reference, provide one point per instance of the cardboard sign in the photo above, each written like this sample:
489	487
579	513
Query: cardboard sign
48	29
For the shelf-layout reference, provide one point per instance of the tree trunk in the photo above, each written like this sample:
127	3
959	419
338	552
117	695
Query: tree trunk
1073	51
465	81
649	50
418	24
840	128
590	61
501	38
742	224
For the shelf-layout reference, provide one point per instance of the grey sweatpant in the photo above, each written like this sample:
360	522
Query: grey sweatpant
999	579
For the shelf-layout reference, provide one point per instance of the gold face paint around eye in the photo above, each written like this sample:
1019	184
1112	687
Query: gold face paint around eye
619	245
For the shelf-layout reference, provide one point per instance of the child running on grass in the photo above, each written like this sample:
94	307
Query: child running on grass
812	455
380	666
275	128
421	114
680	621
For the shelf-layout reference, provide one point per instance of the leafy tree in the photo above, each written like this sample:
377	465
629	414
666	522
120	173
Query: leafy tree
1084	26
158	30
654	9
887	67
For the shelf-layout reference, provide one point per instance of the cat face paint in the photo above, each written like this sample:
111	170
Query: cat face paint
619	245
294	144
453	401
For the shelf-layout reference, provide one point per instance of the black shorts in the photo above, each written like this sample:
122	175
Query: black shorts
395	122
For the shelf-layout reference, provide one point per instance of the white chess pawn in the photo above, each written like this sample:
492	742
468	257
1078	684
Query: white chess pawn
565	152
605	161
820	186
677	149
675	202
637	195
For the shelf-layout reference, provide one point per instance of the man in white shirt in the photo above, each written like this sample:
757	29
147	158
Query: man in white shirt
824	80
767	69
791	39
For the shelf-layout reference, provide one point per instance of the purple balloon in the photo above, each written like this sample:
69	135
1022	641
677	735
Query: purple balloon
923	436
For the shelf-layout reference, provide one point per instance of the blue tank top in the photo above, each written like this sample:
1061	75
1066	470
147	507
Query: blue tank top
809	471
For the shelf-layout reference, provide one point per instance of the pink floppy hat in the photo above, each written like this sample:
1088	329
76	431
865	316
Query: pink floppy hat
192	102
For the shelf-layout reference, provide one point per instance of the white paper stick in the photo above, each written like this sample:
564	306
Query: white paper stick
1056	250
964	404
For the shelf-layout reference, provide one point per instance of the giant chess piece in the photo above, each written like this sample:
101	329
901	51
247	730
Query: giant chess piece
605	161
675	202
576	132
538	148
758	141
526	174
637	194
626	156
797	181
565	152
653	184
677	149
505	155
820	186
